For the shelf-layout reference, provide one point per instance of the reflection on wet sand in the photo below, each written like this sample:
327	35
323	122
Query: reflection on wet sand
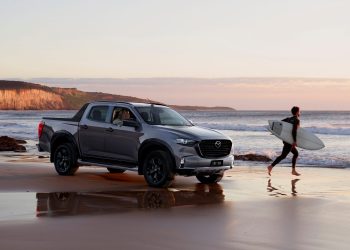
273	191
293	182
77	203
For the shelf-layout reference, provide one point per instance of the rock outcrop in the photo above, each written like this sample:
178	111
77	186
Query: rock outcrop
11	144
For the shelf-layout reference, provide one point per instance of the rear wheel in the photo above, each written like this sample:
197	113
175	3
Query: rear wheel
209	178
115	171
158	169
65	159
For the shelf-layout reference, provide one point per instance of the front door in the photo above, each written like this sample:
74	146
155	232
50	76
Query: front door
122	142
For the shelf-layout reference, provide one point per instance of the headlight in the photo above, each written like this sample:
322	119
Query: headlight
186	142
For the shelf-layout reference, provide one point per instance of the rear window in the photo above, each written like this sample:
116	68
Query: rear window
98	113
77	117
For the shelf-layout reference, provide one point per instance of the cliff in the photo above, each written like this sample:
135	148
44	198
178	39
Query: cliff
17	95
25	99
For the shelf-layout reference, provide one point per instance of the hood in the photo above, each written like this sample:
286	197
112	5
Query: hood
194	132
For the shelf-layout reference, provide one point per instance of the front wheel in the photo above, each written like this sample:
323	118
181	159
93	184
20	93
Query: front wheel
209	178
65	159
158	169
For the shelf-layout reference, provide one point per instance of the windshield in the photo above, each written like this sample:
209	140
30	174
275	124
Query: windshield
156	115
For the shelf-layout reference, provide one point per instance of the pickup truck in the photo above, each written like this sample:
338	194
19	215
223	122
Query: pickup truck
151	139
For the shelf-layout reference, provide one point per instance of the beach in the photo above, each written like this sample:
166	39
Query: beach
246	210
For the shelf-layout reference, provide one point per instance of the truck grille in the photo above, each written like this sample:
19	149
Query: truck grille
215	148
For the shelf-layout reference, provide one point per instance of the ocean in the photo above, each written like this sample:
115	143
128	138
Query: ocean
246	128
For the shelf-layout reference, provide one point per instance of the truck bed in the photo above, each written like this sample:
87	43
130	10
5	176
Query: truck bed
76	118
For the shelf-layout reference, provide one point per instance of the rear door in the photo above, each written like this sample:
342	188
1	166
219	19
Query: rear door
92	131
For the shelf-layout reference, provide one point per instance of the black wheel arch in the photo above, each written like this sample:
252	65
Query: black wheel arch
149	146
60	138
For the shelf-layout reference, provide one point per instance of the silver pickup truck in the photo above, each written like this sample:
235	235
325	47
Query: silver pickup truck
152	139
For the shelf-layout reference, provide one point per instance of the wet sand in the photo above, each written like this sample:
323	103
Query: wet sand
247	210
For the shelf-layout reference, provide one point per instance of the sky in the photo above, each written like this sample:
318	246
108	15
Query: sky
201	40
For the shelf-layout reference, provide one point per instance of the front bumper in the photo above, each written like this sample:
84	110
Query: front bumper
192	165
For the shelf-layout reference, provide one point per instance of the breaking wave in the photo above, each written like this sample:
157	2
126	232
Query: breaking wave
262	128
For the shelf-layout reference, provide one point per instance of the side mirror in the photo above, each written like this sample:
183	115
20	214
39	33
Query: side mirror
131	123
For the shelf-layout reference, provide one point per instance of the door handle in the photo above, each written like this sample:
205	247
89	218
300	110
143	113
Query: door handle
84	126
109	130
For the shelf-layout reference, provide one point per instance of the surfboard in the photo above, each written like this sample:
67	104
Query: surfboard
305	139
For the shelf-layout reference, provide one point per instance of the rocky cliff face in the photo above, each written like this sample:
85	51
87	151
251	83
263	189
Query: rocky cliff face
17	95
26	99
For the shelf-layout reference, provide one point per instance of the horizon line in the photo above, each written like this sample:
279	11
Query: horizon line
182	77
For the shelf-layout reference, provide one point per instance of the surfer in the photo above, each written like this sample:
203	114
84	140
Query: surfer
287	148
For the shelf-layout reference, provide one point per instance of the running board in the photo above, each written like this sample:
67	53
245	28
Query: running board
85	163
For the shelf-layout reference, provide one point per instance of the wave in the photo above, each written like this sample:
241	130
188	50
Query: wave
329	130
235	127
303	160
262	128
8	124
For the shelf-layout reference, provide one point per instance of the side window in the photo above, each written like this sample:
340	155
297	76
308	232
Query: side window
98	113
122	114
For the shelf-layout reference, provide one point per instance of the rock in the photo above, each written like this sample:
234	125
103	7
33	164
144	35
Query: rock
252	157
11	144
21	141
43	157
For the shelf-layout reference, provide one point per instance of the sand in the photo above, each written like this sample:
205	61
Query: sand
247	210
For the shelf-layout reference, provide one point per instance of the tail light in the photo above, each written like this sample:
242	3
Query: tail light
40	128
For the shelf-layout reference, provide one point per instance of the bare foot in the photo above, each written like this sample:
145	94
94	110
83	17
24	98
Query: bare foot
269	169
295	173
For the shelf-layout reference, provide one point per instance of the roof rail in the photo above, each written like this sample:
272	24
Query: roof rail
124	102
111	101
157	103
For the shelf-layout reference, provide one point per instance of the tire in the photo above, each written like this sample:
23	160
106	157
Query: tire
65	159
158	169
116	171
209	178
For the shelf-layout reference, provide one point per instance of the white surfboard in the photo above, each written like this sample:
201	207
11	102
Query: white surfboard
305	139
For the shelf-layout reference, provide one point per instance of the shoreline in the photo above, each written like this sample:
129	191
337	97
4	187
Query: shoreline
43	157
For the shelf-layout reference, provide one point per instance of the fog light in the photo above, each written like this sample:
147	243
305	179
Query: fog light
182	162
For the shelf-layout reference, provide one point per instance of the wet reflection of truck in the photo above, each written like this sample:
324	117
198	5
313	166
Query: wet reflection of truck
74	203
153	140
